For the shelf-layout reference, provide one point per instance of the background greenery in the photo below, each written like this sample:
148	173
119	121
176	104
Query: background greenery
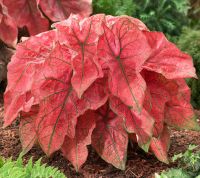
189	42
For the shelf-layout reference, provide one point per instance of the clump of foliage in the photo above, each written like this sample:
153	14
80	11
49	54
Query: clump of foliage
99	80
11	169
36	15
194	14
190	43
188	165
168	16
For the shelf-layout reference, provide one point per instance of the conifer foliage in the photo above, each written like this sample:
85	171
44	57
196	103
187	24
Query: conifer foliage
99	80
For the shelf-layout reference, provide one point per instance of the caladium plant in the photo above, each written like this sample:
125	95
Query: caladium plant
99	81
29	13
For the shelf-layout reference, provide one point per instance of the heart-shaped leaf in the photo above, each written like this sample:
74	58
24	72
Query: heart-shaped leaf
27	133
59	103
27	14
58	10
124	49
167	59
82	38
140	124
23	72
8	27
109	138
160	146
75	149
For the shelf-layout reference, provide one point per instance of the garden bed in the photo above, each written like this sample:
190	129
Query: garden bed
139	164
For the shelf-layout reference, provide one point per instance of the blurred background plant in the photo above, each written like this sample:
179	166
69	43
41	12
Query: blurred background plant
194	14
189	42
114	7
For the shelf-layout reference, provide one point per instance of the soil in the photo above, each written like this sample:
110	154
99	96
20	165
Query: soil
139	164
5	55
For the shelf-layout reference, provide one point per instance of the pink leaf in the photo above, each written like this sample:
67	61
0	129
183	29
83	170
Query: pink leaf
59	110
58	10
140	124
75	149
27	132
110	20
155	100
8	28
109	138
22	69
124	49
59	103
160	146
179	112
26	13
167	59
82	39
138	23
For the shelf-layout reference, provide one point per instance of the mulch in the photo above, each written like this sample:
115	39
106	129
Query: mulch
139	164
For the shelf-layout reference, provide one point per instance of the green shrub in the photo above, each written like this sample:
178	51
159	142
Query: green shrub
188	165
189	42
194	14
16	169
168	16
114	7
